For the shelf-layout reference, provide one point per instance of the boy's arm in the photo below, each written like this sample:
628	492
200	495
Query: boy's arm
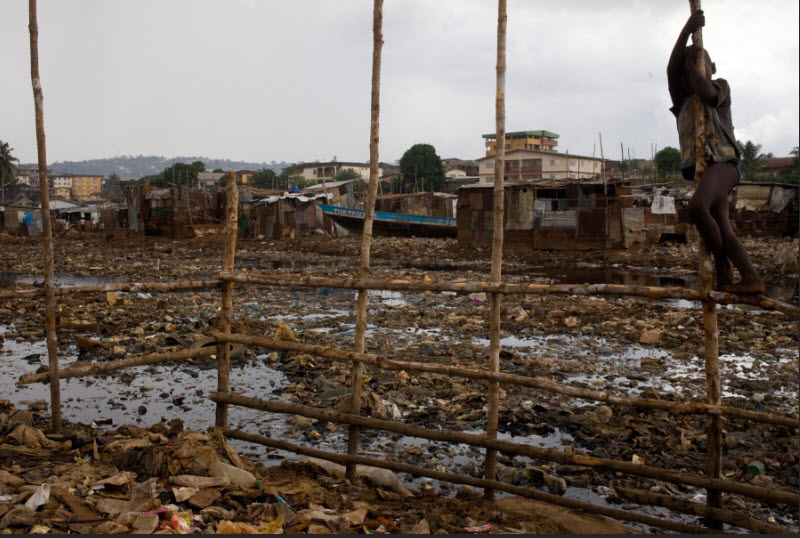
696	21
700	84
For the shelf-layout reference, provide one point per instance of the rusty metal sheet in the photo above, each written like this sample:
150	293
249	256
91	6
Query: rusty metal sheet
592	223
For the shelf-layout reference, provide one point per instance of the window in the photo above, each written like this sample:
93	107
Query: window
555	176
555	162
489	164
572	162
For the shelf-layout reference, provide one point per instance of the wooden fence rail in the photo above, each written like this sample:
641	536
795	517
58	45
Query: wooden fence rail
693	408
548	454
156	287
651	292
344	459
82	370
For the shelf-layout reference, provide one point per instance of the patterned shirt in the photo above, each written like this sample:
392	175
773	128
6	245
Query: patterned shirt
721	144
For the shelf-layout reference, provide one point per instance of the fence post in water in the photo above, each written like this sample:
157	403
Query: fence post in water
366	234
490	465
47	230
226	313
706	277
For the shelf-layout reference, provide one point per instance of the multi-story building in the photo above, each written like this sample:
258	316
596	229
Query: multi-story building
470	168
29	176
209	180
87	186
315	172
528	140
244	176
527	165
61	185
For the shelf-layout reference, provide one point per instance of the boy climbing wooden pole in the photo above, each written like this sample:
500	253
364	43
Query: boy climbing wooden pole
709	205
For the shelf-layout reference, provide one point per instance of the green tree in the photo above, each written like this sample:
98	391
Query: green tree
179	174
668	162
265	179
346	174
286	176
8	170
421	169
752	160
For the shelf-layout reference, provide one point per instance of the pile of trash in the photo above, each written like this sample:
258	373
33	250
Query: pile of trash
168	480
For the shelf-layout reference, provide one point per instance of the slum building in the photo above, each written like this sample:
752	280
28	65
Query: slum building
173	212
544	214
763	209
425	204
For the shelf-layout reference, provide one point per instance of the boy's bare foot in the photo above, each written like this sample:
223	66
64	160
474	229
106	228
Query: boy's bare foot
724	275
751	286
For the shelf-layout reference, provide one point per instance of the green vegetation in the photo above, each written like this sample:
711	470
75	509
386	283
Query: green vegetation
8	170
668	162
421	169
265	179
752	160
179	174
346	174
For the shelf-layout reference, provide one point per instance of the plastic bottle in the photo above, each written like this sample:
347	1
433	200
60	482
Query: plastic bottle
192	481
237	476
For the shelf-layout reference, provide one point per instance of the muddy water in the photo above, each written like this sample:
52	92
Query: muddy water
111	402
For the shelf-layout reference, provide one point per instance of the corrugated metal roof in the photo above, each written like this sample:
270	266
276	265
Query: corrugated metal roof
331	185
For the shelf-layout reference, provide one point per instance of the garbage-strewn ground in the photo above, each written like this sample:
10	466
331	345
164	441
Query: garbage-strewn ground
627	346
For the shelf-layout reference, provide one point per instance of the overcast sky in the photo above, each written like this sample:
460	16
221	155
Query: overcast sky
290	79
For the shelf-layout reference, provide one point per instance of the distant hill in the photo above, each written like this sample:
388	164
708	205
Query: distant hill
127	166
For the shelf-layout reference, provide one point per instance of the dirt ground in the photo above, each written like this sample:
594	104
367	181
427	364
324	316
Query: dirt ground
628	346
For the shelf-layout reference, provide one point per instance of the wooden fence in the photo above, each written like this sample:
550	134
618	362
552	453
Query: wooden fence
492	378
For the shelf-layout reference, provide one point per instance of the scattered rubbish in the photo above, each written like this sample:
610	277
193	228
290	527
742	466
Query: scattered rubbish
235	475
486	527
39	497
284	332
755	467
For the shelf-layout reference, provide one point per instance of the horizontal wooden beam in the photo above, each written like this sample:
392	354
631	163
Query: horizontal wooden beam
548	454
83	370
696	408
731	517
156	287
652	292
344	459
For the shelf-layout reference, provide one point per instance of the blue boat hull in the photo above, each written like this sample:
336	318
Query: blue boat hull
392	223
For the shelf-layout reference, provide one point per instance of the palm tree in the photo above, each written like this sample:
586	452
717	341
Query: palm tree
7	168
752	159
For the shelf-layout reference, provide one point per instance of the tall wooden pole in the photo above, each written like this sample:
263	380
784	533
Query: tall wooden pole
226	310
47	230
490	465
706	277
366	234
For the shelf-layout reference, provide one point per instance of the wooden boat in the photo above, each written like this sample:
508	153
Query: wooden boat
391	223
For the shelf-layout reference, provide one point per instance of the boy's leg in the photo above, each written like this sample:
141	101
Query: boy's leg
750	284
712	191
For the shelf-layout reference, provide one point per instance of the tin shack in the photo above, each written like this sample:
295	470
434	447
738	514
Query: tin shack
544	214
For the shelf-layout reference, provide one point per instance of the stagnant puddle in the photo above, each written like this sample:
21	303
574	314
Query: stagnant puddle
167	391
